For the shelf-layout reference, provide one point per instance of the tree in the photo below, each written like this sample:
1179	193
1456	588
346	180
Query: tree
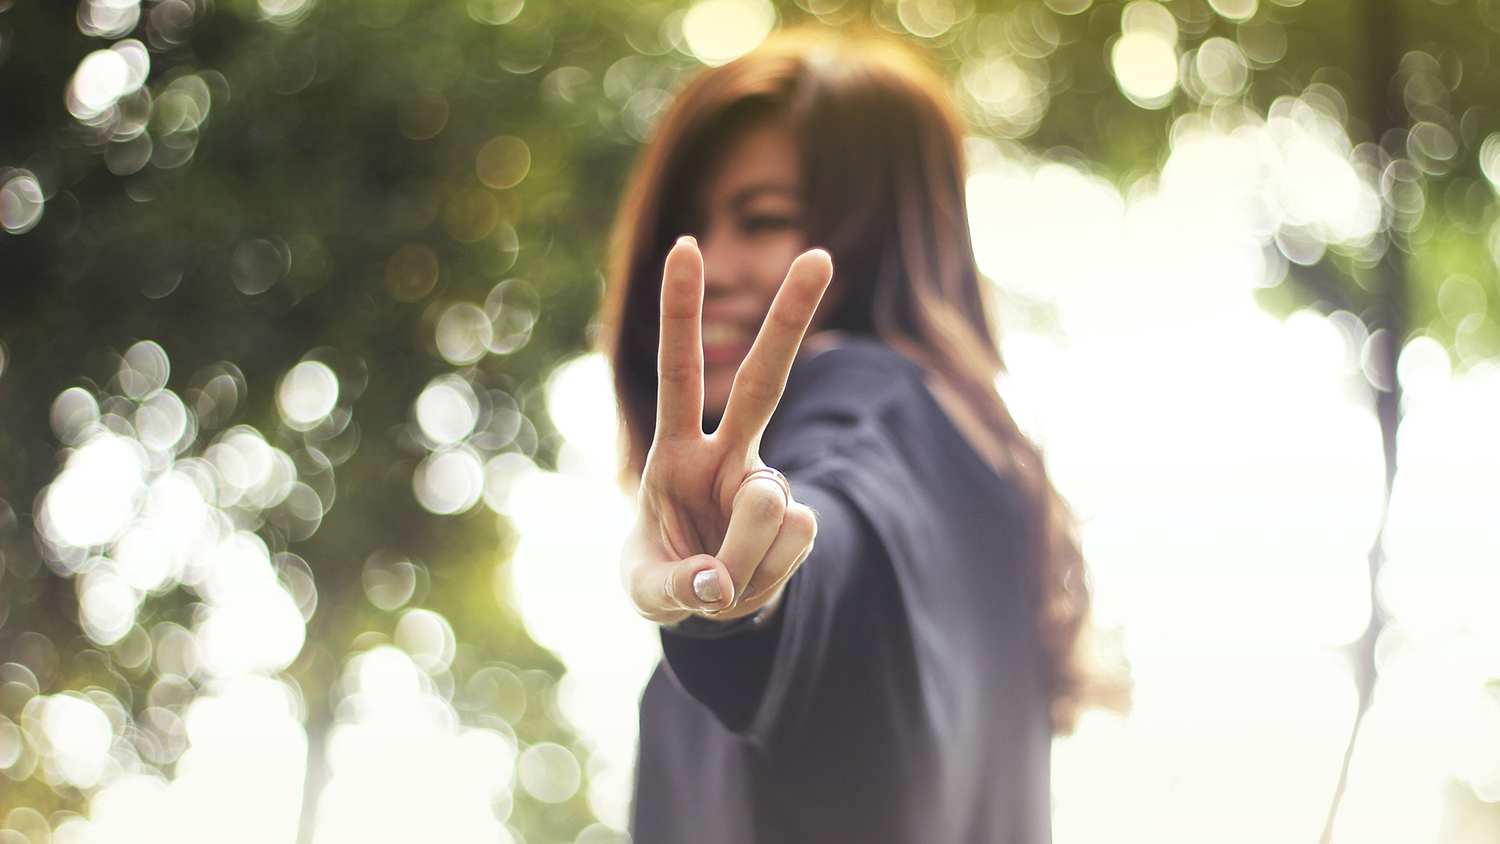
341	245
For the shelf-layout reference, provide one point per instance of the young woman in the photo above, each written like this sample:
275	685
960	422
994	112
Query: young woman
877	642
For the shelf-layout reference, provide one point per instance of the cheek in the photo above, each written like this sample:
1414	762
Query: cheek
777	257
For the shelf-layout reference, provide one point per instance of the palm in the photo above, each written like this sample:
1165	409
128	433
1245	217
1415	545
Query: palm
695	507
690	492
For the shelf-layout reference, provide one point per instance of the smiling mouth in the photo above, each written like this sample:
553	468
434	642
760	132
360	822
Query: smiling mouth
726	341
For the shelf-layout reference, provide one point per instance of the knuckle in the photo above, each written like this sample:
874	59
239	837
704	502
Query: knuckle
679	373
742	576
762	500
760	390
670	590
802	523
786	319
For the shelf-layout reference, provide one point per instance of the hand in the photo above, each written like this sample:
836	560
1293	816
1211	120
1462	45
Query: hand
707	538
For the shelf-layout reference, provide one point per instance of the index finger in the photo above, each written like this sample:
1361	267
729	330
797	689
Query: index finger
761	378
679	362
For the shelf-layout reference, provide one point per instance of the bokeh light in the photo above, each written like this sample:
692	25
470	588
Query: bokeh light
427	638
135	512
257	265
97	493
423	114
447	410
1220	66
390	581
549	772
104	77
308	394
450	481
411	272
719	31
21	201
464	333
399	745
1489	160
494	12
1010	92
76	737
470	215
511	308
108	18
503	162
285	12
1144	58
931	18
1235	10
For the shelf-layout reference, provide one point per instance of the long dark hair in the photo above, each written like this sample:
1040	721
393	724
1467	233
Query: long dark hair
883	174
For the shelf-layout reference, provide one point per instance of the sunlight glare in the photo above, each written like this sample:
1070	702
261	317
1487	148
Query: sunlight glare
78	737
718	31
98	492
405	752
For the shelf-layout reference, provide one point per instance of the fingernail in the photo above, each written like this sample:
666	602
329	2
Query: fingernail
749	590
706	586
688	239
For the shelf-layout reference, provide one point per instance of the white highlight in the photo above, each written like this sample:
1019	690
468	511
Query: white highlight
449	481
447	410
308	394
719	31
21	202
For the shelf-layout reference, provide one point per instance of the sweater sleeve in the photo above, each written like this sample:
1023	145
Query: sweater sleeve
839	633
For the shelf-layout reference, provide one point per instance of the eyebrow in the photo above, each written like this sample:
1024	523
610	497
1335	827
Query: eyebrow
744	195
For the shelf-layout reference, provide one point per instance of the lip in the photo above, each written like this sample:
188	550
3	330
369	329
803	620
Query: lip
726	341
719	353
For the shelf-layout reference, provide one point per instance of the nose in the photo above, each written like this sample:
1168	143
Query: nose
720	266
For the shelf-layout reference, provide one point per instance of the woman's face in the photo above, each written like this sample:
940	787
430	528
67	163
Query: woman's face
751	227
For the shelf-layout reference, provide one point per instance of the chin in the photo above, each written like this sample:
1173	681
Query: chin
716	386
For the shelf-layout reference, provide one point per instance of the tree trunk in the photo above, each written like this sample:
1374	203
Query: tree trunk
319	720
1388	322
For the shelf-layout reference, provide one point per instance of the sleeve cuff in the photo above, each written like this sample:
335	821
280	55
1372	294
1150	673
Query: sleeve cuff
701	627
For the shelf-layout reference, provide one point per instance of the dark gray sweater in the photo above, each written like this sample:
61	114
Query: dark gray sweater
897	696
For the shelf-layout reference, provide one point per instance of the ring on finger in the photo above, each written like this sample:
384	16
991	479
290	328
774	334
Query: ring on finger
772	475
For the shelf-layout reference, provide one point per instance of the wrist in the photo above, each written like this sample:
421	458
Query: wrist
717	625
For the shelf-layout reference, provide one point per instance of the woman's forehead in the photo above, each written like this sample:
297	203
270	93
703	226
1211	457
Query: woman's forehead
762	159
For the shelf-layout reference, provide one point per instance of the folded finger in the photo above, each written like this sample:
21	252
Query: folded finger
754	524
761	378
799	527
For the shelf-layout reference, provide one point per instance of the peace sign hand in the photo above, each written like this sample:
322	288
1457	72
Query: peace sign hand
714	535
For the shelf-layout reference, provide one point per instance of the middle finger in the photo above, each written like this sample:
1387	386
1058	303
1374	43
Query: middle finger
762	376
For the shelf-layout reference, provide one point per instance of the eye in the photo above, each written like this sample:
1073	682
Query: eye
765	223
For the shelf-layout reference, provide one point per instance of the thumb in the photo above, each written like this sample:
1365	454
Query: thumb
661	587
700	583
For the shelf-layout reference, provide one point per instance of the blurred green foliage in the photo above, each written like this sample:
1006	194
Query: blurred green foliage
329	203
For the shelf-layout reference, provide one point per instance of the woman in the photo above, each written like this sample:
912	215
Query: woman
900	678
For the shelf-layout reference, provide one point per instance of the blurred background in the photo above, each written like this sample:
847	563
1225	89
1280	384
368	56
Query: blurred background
308	530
